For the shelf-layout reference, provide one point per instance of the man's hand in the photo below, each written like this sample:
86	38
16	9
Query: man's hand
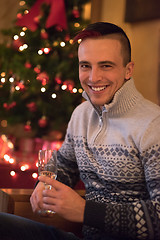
61	199
36	198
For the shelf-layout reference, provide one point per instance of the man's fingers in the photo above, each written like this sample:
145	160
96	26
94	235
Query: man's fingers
54	183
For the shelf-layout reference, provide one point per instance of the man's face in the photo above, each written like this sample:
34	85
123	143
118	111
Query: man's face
101	68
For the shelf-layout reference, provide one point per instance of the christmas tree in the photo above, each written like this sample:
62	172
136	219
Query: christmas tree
39	85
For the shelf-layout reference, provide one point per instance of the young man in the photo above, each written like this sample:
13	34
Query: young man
112	143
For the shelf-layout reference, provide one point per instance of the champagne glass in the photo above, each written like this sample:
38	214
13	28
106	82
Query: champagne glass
47	166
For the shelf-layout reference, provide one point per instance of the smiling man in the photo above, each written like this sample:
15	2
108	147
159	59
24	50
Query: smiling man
112	144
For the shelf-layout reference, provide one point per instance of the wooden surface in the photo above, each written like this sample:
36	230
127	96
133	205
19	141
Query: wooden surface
6	202
23	208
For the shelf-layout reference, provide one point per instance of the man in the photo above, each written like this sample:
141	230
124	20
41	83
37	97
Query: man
112	143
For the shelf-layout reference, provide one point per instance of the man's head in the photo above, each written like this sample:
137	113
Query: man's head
104	61
105	29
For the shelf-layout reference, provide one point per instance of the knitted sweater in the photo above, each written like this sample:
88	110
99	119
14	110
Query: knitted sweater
116	153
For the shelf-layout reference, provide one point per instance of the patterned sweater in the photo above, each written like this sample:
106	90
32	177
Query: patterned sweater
116	153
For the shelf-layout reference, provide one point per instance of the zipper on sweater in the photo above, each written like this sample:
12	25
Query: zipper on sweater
100	121
99	130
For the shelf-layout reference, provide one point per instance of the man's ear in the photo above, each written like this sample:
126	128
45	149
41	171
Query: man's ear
129	70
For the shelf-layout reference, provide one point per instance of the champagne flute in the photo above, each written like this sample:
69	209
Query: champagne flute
47	166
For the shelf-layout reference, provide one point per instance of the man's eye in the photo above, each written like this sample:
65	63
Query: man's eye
106	66
84	66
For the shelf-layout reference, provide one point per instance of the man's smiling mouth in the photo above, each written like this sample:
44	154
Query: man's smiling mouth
98	89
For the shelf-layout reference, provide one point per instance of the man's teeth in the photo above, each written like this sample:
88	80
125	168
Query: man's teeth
98	88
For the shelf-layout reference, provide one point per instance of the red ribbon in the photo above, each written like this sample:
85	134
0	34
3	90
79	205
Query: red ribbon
57	15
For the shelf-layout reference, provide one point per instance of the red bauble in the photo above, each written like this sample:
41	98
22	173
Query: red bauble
58	80
21	86
69	84
44	34
67	37
43	77
28	65
8	106
42	122
75	12
37	19
27	127
19	15
31	106
37	69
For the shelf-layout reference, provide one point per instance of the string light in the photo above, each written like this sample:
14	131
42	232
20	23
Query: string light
3	74
11	160
11	79
22	34
80	90
15	37
74	90
24	29
24	167
77	25
23	47
46	50
43	89
17	88
64	87
12	173
54	95
10	145
40	52
6	157
71	41
79	41
26	11
3	80
34	175
55	44
62	44
22	3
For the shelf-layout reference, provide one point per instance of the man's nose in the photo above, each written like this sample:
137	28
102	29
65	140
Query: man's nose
95	75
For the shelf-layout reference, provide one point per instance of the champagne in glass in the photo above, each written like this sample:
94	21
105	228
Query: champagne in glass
47	166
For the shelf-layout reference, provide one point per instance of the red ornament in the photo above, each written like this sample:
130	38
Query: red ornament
9	106
69	84
31	106
58	80
37	19
75	12
37	69
28	65
27	127
59	28
19	15
42	122
44	34
21	86
43	77
67	37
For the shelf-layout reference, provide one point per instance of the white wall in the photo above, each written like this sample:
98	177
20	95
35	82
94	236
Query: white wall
145	41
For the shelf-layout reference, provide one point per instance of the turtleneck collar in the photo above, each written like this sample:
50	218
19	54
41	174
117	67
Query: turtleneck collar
124	99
